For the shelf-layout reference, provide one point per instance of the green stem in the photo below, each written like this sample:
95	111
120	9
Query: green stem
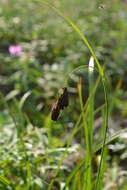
105	136
87	172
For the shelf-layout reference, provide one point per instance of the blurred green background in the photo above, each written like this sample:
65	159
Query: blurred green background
50	50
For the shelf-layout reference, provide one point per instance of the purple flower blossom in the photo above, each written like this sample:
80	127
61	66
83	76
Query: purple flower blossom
15	50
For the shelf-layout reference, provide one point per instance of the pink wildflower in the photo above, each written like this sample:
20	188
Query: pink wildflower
15	50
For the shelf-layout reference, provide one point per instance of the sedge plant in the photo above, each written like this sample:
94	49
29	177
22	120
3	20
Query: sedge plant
87	184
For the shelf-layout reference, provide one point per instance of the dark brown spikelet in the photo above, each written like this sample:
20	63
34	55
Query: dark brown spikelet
61	103
63	99
55	112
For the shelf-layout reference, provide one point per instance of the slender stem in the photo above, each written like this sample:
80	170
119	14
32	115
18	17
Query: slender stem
105	136
87	172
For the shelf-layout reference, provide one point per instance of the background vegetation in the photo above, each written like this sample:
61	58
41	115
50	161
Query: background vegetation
35	152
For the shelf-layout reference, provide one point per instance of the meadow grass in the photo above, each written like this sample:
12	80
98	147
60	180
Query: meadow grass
82	176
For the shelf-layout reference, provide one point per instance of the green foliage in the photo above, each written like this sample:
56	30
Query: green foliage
35	152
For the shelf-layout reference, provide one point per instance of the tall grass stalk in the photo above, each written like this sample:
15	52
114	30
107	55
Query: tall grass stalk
88	129
105	126
91	102
88	175
87	172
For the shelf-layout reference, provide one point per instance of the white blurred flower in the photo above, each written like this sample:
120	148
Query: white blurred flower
91	64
